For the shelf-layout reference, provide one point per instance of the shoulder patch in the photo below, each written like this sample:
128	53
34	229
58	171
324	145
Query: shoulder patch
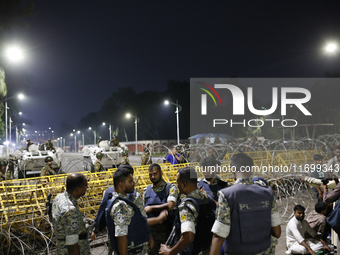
184	217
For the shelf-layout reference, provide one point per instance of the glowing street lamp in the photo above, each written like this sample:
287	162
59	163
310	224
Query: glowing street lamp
14	54
94	135
178	109
331	48
128	115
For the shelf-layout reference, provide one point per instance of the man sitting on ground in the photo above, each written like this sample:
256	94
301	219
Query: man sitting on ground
295	232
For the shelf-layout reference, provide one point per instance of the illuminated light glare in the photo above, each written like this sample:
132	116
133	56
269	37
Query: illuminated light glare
21	96
15	54
166	102
128	115
331	48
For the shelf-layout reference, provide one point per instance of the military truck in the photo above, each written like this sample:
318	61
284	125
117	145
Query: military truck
112	155
31	162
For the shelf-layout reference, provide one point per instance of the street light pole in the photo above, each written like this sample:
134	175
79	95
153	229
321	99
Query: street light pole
128	115
177	118
178	109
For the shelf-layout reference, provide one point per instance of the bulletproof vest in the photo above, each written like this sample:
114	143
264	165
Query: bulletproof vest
212	189
318	172
100	223
156	198
138	230
205	220
250	208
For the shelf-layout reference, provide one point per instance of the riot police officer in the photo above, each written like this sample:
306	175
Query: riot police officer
250	209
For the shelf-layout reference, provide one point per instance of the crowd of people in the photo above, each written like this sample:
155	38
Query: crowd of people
207	217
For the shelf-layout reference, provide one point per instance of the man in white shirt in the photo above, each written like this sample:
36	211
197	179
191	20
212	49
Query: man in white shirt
295	231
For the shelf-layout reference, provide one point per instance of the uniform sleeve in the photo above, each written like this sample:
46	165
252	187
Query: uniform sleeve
121	214
188	216
70	221
222	223
139	202
275	216
173	194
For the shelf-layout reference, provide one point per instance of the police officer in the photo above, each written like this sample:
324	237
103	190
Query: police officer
211	183
114	141
29	143
191	219
249	209
98	166
125	160
48	170
68	221
128	228
158	197
5	174
12	162
100	223
146	159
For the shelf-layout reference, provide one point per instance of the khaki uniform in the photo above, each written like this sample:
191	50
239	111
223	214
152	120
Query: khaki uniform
46	170
69	223
98	166
122	214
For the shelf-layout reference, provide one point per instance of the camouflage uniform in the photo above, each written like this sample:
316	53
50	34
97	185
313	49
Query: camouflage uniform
7	176
98	166
161	232
49	146
125	161
145	160
122	214
217	140
223	215
188	217
115	142
46	170
139	203
68	224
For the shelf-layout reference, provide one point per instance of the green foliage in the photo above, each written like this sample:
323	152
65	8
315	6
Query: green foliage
13	12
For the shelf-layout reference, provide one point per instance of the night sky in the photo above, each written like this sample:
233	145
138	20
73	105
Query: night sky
79	52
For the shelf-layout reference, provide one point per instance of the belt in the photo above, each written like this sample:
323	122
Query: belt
82	236
136	250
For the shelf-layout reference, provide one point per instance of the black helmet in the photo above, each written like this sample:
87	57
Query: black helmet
49	140
48	158
146	149
125	152
28	140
